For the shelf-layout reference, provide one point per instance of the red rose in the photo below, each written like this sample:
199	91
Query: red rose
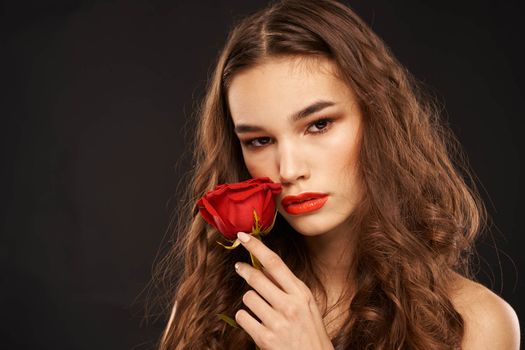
247	206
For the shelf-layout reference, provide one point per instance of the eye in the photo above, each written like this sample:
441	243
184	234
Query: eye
251	142
322	124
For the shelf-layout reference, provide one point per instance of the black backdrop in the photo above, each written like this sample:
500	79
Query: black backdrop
93	110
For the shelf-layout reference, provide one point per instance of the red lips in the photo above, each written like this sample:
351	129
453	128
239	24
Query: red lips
301	198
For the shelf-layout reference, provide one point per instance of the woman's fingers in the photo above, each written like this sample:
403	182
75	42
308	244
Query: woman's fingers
250	325
271	262
262	284
259	307
288	313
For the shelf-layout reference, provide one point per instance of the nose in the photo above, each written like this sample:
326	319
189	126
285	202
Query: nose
292	163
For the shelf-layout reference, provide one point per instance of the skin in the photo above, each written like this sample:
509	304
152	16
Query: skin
296	155
307	155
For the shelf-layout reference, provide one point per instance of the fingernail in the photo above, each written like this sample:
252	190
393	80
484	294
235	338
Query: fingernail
237	266
243	237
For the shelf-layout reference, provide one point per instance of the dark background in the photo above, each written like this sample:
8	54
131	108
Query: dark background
94	105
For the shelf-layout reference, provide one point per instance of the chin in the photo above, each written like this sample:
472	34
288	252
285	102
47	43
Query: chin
311	225
318	223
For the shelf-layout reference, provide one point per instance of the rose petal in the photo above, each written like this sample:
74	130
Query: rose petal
226	228
209	207
205	213
239	215
269	211
268	199
276	188
238	185
241	196
223	225
230	207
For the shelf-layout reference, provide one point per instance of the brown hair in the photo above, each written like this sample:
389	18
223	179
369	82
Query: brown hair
418	213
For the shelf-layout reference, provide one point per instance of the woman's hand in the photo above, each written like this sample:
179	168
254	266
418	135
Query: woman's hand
285	305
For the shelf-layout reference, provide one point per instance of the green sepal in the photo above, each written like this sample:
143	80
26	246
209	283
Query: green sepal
265	232
255	262
228	320
256	228
230	247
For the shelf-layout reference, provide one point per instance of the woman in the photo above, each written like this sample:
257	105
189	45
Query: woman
307	95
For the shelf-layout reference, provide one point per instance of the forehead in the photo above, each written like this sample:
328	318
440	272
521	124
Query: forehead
280	86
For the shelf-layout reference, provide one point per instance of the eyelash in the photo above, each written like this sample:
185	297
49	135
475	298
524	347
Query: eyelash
249	143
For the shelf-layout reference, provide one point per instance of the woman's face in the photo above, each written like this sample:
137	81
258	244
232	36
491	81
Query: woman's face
314	153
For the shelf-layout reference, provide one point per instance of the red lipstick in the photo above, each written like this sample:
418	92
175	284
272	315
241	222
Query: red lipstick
304	202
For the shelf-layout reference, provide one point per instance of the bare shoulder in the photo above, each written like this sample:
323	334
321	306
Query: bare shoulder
490	322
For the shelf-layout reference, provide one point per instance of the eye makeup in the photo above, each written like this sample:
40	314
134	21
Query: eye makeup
249	143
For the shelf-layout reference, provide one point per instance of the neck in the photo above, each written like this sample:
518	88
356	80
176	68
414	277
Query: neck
333	256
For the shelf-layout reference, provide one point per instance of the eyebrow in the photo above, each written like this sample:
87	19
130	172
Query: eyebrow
303	113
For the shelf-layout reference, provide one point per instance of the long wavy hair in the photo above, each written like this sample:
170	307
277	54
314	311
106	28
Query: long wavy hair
415	225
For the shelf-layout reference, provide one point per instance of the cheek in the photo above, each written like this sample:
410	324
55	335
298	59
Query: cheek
256	167
339	164
340	151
